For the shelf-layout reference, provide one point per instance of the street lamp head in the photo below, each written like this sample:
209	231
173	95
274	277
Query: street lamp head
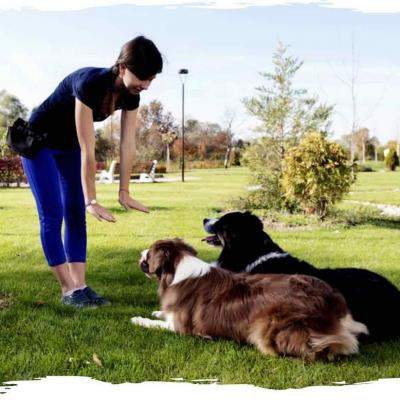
183	74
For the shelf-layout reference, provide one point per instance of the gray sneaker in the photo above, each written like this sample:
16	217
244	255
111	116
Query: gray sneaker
77	299
94	297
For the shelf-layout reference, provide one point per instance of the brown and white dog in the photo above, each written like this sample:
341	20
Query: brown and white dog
294	315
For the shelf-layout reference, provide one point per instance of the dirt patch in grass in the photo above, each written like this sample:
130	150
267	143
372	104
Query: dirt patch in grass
337	218
284	226
5	300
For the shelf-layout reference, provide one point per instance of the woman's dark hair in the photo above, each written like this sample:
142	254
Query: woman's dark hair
141	56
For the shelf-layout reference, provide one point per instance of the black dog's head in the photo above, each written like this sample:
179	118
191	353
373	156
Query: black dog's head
241	236
232	227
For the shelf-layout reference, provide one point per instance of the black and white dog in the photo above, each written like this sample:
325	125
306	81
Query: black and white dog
371	298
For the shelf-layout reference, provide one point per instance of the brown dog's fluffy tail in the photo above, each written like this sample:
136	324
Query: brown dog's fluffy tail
299	339
344	342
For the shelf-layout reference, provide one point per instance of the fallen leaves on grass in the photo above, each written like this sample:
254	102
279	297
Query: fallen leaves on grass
79	362
97	360
40	303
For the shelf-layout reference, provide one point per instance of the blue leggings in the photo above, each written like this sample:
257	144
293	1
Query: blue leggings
55	180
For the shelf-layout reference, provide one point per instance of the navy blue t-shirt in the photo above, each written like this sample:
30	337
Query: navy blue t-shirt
93	87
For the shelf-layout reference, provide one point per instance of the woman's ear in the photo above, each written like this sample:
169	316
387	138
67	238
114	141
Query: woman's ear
121	69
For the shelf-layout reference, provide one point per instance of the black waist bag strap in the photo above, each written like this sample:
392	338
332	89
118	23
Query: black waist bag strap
24	140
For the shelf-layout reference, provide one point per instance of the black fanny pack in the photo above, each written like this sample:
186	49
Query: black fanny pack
24	140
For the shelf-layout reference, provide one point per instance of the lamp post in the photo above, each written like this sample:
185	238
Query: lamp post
182	75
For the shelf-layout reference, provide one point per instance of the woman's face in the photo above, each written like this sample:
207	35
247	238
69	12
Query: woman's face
132	82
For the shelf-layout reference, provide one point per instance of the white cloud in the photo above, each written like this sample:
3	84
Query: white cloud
367	6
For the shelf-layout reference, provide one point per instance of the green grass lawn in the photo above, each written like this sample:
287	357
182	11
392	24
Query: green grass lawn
377	187
39	337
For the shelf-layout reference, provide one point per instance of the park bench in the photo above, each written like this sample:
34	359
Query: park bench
112	174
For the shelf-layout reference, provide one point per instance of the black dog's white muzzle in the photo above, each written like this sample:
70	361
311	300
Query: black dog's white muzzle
209	225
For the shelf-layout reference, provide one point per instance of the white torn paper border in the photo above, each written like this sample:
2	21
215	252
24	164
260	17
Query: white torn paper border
366	6
79	387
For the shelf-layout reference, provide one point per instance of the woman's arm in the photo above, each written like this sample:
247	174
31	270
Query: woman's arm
127	156
86	138
127	149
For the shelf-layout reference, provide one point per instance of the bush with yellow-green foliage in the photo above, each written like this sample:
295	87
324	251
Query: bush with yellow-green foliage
392	160
316	174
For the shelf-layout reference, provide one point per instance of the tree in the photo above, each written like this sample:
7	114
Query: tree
372	147
110	136
317	174
229	117
11	108
168	138
238	147
203	141
156	131
350	80
285	114
361	137
105	147
364	146
11	170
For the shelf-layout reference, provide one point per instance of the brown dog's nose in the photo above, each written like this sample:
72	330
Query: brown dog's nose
144	266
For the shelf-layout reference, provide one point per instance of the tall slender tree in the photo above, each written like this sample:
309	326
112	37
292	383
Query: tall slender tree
285	114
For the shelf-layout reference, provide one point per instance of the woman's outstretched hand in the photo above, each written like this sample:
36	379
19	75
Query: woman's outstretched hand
100	212
128	202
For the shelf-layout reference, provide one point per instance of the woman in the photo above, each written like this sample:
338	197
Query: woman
62	175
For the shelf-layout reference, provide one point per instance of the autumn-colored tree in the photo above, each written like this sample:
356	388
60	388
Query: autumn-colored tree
11	108
156	132
105	147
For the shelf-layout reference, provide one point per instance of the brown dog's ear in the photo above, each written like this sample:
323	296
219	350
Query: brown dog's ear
155	259
161	257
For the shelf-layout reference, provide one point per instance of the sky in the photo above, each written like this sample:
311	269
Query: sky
223	44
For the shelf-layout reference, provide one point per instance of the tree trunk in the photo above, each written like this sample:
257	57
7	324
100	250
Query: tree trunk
167	156
227	154
363	151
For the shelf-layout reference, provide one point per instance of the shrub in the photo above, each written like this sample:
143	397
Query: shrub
392	160
11	170
204	164
140	167
267	194
100	165
364	168
316	174
264	164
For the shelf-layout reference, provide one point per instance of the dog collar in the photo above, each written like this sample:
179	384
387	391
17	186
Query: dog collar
264	258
